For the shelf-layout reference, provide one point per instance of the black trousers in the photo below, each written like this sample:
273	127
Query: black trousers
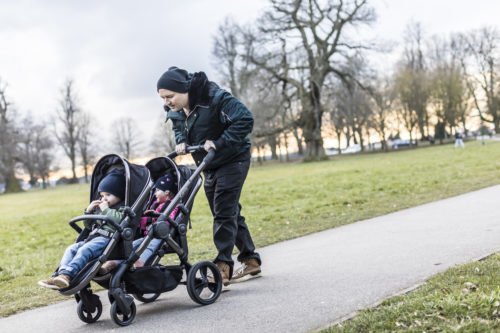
223	189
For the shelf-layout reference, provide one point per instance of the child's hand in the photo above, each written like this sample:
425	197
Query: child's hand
92	206
103	205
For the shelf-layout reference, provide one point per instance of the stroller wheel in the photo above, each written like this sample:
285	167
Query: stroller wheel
119	318
146	298
204	283
89	316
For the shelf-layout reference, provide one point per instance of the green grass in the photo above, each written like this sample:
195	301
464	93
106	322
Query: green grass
464	299
281	201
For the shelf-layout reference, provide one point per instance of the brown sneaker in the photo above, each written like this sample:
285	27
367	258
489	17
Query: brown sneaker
61	281
49	283
249	269
107	267
224	272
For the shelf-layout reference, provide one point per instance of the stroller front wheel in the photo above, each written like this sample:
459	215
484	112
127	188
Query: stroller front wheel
86	315
121	319
204	282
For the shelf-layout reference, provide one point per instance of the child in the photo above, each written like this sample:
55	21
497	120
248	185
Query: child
112	191
166	188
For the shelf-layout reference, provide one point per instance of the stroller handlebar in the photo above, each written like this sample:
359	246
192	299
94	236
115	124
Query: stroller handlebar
194	149
108	219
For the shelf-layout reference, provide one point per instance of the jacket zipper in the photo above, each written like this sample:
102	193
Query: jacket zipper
190	113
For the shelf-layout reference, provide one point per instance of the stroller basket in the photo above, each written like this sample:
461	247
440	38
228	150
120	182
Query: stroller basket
152	279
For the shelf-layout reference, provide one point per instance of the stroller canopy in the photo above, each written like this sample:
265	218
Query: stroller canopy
137	177
161	165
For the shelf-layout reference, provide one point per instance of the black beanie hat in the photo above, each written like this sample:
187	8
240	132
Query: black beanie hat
175	79
167	182
114	183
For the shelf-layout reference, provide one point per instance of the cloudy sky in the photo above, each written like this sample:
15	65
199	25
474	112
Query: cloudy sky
116	50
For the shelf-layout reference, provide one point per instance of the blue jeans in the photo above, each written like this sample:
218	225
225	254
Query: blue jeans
79	254
148	252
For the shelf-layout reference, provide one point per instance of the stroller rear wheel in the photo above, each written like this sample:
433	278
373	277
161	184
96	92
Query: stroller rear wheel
87	315
204	283
146	298
119	318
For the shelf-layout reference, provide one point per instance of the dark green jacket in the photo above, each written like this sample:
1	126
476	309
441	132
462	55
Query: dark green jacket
215	115
116	214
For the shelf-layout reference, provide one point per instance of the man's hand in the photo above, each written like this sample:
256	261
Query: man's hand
180	149
209	144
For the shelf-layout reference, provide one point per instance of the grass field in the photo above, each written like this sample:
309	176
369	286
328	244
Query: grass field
463	299
280	202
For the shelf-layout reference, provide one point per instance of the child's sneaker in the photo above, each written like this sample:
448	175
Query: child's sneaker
249	269
49	283
107	267
61	281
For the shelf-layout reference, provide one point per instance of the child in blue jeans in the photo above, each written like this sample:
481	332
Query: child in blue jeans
112	191
166	188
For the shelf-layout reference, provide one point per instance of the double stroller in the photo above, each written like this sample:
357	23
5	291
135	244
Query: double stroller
126	282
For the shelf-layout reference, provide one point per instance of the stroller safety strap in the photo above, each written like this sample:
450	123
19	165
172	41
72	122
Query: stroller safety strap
102	233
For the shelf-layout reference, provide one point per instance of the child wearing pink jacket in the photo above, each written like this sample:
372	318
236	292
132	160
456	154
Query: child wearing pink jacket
166	188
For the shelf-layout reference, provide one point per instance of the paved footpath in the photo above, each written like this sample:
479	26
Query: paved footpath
314	280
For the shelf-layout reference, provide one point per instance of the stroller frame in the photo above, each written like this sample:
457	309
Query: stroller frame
123	309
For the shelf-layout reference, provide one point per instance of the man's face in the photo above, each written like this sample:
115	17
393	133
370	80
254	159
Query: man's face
173	100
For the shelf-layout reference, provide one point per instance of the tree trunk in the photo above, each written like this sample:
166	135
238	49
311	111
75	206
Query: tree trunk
287	157
12	184
312	124
73	169
339	137
347	136
299	142
272	145
360	133
259	158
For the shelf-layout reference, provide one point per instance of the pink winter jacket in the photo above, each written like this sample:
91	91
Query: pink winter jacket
146	221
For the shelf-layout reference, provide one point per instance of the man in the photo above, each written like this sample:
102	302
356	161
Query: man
204	114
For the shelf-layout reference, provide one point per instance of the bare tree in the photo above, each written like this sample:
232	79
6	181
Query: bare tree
36	151
413	80
481	67
449	90
225	51
350	112
163	140
252	84
27	151
408	97
319	31
85	142
126	137
9	143
67	130
45	160
383	95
